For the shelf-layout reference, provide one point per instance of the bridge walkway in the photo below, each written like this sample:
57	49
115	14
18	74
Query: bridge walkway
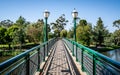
59	62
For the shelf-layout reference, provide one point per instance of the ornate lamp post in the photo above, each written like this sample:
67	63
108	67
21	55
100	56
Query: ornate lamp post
75	14
46	15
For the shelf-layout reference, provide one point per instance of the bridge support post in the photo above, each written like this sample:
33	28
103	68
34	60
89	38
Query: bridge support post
27	64
47	48
44	53
94	65
76	53
73	49
82	59
38	69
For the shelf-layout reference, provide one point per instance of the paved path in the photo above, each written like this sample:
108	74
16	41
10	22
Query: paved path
59	64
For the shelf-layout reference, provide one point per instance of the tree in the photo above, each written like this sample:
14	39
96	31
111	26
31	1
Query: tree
10	34
6	23
50	35
70	33
116	34
63	33
2	35
59	25
116	23
84	30
99	32
35	31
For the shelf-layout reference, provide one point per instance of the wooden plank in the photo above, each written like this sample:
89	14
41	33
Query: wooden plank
59	65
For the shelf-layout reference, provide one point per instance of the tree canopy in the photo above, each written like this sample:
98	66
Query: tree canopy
59	25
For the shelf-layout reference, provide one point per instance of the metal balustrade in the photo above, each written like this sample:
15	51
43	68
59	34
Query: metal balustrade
92	62
28	62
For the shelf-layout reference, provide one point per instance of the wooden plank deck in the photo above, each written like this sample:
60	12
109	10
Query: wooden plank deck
59	64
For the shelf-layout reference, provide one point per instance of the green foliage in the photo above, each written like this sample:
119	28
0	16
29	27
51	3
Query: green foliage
10	34
70	33
6	23
116	36
99	32
63	33
2	35
35	31
116	23
50	35
21	22
56	33
59	25
84	30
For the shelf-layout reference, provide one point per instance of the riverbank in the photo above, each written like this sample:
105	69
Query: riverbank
105	49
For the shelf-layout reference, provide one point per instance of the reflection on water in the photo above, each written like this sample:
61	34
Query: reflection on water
114	54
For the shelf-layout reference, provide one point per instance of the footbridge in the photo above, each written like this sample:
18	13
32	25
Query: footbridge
60	57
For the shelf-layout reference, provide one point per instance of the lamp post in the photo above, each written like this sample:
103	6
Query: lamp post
46	15
75	14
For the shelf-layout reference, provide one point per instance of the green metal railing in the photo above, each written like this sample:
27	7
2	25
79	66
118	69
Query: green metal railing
28	62
92	62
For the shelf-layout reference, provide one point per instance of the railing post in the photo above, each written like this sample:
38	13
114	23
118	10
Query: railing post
82	59
76	53
44	53
94	65
27	64
38	59
73	49
47	48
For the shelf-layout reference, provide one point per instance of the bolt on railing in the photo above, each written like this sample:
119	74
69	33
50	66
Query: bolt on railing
92	62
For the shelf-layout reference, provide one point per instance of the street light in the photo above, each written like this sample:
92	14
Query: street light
46	15
75	14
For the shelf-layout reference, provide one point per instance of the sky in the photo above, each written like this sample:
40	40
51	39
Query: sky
90	10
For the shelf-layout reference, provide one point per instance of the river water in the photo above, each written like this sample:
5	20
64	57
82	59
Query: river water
114	54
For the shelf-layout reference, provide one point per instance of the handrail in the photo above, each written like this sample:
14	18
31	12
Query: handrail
8	62
115	63
40	52
96	57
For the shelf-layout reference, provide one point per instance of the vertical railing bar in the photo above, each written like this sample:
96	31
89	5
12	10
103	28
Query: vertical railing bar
82	59
73	49
44	52
47	48
94	65
38	69
76	53
27	64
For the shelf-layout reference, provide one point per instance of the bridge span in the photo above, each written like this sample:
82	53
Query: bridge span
60	57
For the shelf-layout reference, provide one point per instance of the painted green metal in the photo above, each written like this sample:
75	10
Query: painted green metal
95	63
45	31
75	29
38	50
75	38
82	59
44	53
27	62
73	49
